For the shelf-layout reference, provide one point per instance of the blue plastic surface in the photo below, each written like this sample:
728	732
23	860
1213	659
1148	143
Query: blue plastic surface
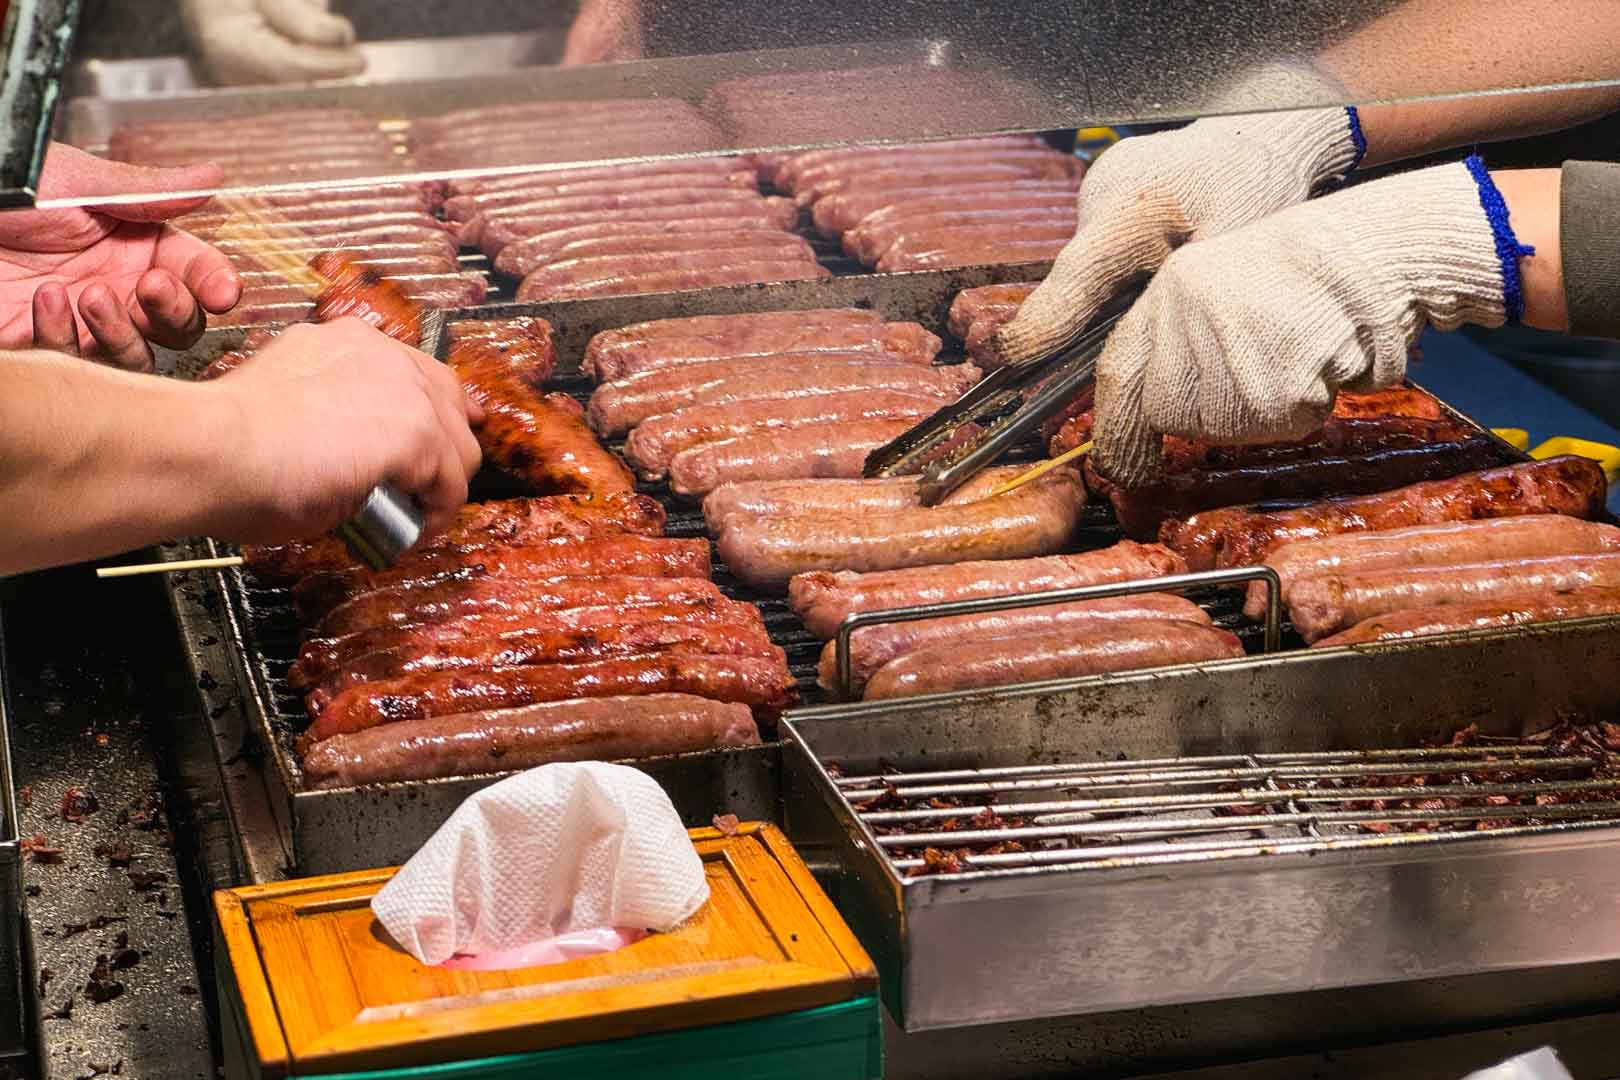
1497	394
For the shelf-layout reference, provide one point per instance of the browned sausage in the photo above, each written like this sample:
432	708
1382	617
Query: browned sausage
498	740
836	213
901	340
1031	245
1583	603
1448	543
869	242
537	438
782	455
872	647
319	659
1319	606
1239	537
1066	654
628	556
414	603
523	646
822	600
1036	519
763	684
1141	511
520	257
560	274
617	407
766	324
780	498
655	442
701	277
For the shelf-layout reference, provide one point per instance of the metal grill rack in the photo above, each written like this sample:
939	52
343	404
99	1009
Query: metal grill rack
1175	810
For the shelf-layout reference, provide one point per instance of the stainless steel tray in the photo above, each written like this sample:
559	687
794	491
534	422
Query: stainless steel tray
1241	919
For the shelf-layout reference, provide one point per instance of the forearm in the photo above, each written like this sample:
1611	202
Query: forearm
1532	197
95	461
1441	47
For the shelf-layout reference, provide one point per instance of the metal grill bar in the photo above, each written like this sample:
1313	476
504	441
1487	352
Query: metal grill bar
1246	797
1193	774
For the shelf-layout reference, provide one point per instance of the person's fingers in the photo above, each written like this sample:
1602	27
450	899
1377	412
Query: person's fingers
286	61
434	478
1083	277
115	335
449	384
307	21
70	173
202	268
54	325
164	312
1127	448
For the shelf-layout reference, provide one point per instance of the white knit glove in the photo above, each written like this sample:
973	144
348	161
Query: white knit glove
1148	195
271	41
1248	337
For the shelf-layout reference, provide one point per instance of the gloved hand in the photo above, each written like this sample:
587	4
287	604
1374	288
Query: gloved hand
131	277
270	41
1247	337
1148	195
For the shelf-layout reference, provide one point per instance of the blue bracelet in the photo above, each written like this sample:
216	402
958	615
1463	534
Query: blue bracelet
1508	249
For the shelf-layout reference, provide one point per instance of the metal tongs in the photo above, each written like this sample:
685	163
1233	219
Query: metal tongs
1010	403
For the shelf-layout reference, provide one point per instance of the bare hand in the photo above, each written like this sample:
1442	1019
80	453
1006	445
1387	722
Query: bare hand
325	413
131	278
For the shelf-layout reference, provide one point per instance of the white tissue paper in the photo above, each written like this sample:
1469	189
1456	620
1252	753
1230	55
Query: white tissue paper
558	849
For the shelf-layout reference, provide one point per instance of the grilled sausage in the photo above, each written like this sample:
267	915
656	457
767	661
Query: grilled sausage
631	556
1319	606
784	244
526	646
782	498
539	439
871	647
465	207
564	273
652	446
585	729
822	600
900	340
322	658
463	596
787	174
462	290
834	214
785	455
1393	401
1142	510
505	521
1065	654
626	171
986	301
1031	245
613	199
940	173
762	684
700	277
750	213
1036	519
811	182
520	257
617	407
1583	603
1448	543
870	242
768	324
524	343
1239	537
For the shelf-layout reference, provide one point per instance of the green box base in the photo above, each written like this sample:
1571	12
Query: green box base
834	1042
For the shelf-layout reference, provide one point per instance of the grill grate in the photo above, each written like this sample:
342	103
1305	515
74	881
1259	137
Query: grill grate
1177	809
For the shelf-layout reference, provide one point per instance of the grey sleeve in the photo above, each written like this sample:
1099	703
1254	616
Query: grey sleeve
1589	235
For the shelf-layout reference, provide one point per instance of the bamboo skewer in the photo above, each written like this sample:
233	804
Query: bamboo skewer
168	567
1040	470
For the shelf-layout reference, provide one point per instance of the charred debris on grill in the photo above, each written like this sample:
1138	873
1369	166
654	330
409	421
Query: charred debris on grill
1588	752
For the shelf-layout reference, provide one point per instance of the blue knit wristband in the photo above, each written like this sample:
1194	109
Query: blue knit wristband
1356	138
1508	249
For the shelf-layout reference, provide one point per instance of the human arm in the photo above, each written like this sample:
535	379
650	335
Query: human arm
95	461
1147	196
130	277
